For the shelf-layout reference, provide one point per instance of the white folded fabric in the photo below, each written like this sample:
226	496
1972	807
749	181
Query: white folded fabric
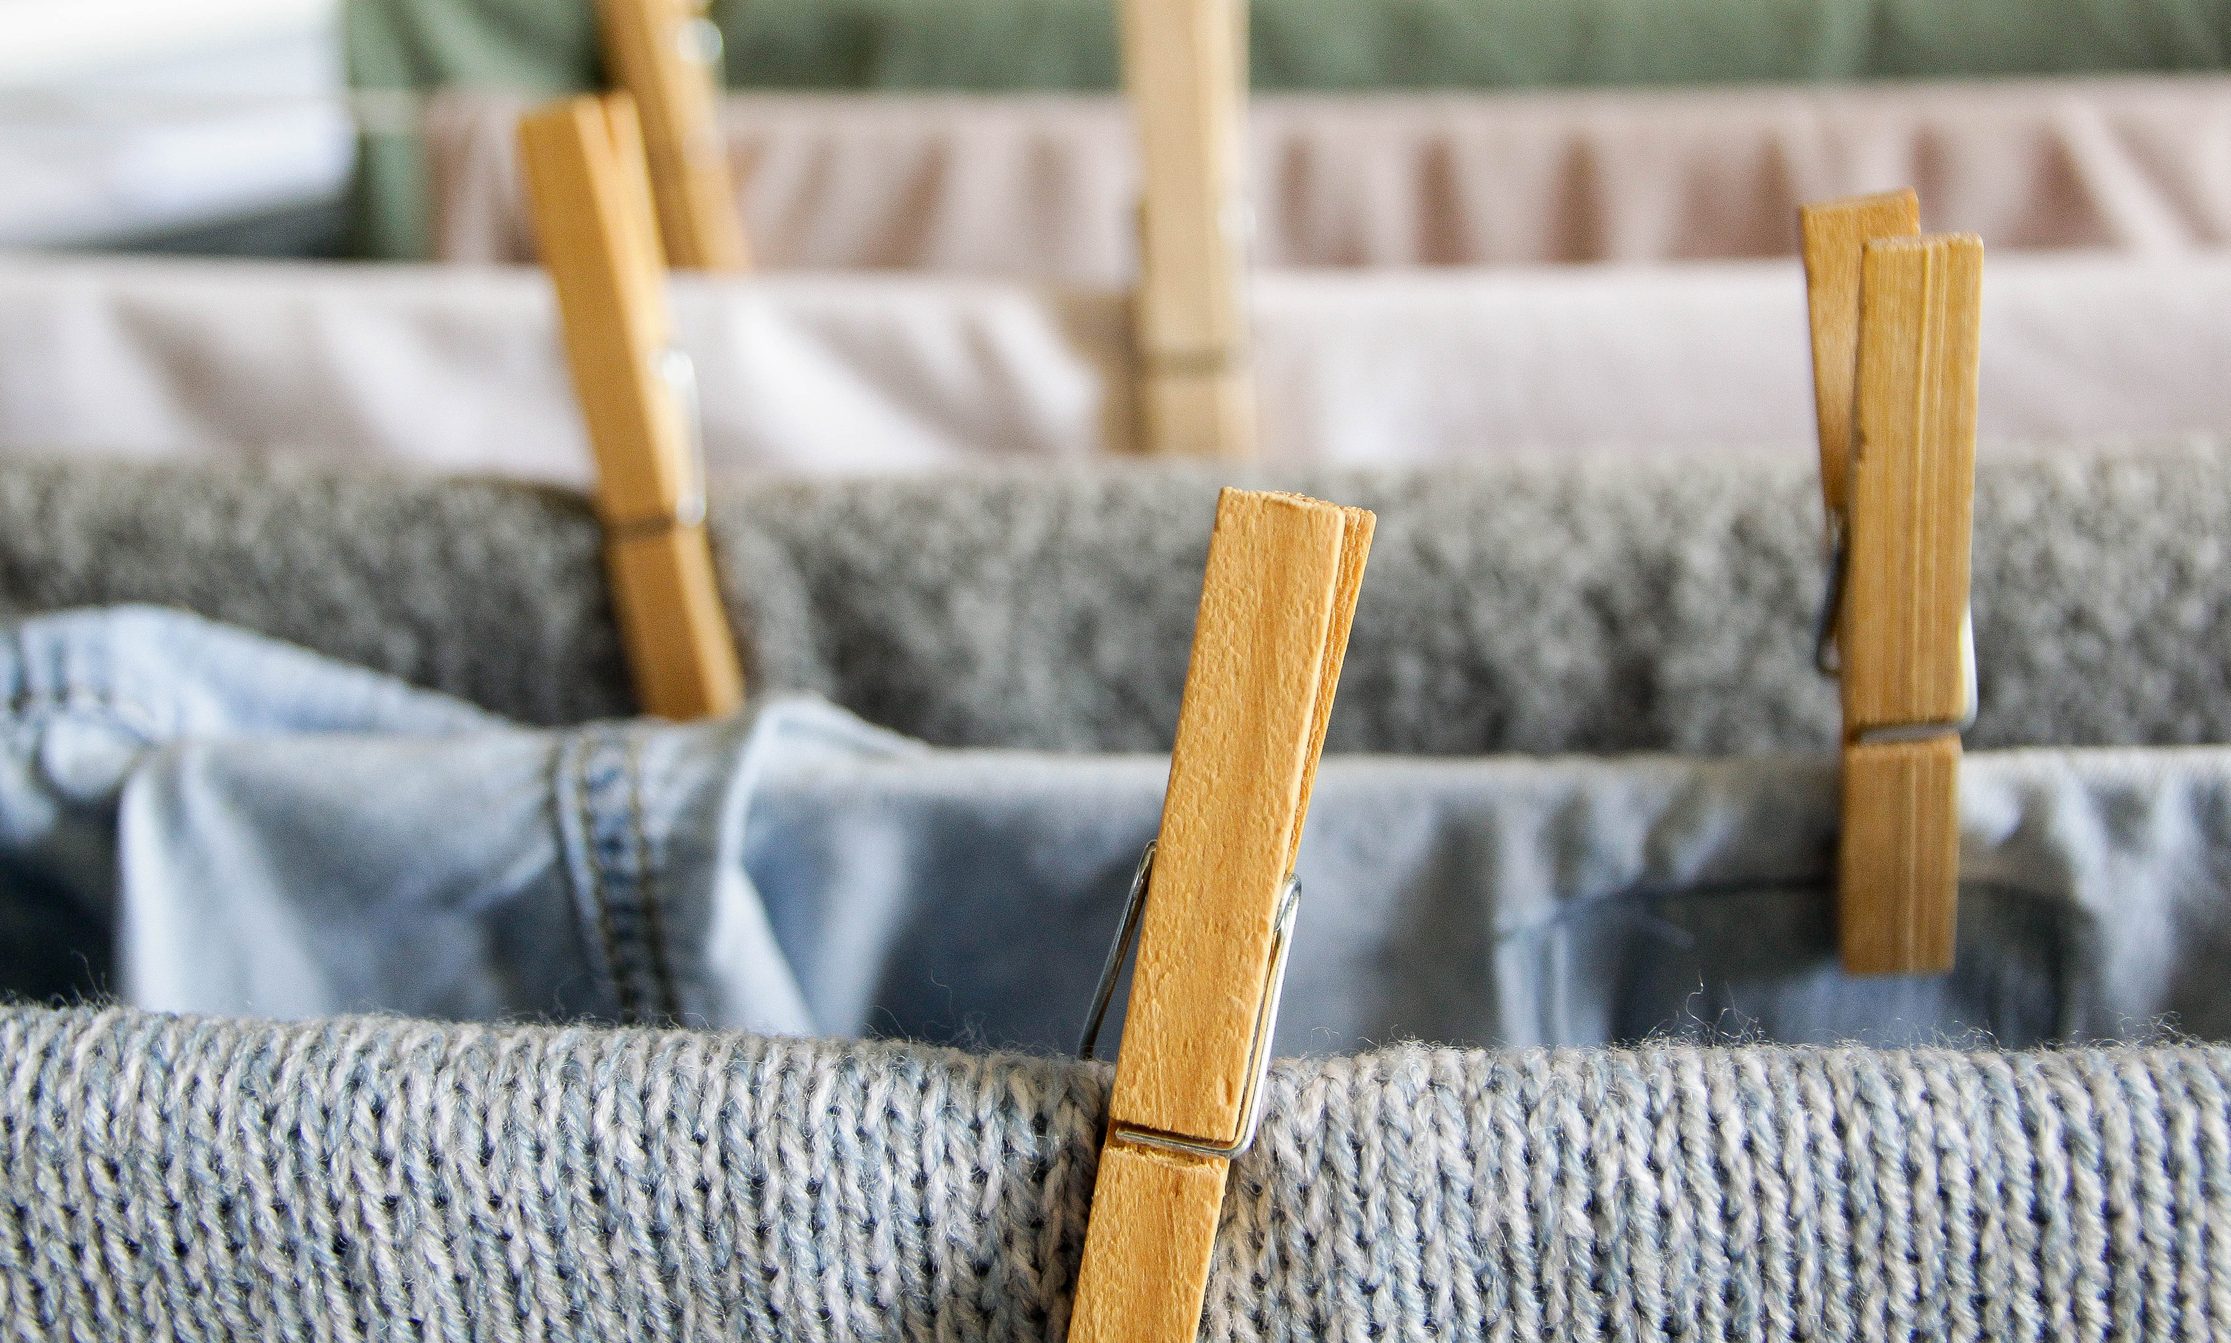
458	368
1044	187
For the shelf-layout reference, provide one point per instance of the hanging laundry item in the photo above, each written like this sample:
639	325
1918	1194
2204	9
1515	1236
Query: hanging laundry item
1601	606
847	373
401	47
893	45
265	833
1044	189
521	1182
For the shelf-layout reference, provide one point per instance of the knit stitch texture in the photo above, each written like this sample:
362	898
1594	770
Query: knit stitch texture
378	1178
1594	606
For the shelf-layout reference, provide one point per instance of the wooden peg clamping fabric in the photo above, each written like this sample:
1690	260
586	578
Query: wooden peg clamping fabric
1905	497
1276	605
588	190
665	54
1185	67
1908	660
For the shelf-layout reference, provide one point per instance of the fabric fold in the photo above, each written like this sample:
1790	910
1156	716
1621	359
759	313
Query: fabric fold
1041	188
797	871
850	373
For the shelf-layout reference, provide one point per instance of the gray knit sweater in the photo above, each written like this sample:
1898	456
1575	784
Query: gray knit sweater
376	1178
1604	606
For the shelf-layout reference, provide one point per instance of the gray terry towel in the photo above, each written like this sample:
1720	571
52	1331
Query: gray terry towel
362	1178
1596	606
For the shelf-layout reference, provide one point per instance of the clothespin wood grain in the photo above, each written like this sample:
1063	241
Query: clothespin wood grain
1908	666
588	191
1276	605
665	53
1185	64
1835	236
1895	321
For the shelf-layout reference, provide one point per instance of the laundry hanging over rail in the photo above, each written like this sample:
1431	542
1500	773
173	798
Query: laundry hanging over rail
1600	606
223	807
862	373
1043	188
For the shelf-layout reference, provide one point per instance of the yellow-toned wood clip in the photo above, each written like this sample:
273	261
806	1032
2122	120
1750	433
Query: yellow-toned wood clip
1185	65
666	55
1895	327
589	194
1213	907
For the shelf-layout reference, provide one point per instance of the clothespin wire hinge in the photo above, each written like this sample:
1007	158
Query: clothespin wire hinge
1828	656
679	372
700	41
1266	1017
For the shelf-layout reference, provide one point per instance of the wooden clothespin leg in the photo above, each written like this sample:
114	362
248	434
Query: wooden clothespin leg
587	186
1276	604
1185	64
665	54
1835	237
1906	497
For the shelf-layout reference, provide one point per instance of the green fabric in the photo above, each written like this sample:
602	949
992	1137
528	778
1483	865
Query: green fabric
543	46
985	45
1317	44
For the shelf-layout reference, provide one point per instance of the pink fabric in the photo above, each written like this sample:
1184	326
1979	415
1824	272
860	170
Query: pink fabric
1042	188
458	368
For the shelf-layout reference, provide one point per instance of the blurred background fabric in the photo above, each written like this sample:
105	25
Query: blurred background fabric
1014	45
1598	605
458	368
211	126
1040	187
1036	46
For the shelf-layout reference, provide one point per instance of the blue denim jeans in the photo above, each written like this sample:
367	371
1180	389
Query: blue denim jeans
197	819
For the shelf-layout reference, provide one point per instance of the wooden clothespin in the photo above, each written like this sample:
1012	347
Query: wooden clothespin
1218	898
1185	62
589	194
1895	322
666	55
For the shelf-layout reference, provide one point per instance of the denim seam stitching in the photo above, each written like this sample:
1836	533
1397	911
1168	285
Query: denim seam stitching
646	886
623	991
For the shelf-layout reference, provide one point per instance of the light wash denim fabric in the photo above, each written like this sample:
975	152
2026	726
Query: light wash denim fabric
265	833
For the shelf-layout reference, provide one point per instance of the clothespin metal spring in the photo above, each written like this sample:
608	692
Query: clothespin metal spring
700	42
1828	655
1266	1018
679	372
